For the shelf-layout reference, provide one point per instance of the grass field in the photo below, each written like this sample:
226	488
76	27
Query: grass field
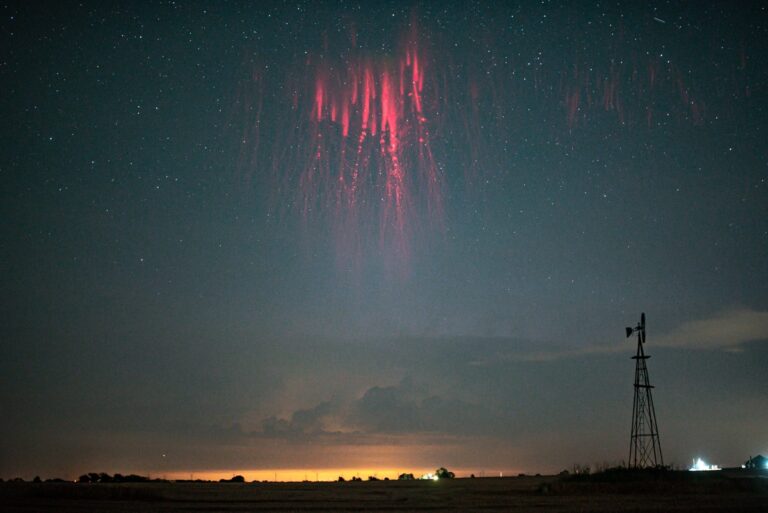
674	492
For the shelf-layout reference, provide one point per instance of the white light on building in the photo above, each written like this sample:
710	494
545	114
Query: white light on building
699	464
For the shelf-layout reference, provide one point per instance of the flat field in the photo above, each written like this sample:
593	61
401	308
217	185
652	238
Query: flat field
673	492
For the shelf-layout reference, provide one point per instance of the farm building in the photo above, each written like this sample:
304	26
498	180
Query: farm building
757	462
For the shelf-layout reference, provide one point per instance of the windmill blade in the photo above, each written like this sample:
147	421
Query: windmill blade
642	327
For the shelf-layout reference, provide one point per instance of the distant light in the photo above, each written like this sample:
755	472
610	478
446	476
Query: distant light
430	477
700	465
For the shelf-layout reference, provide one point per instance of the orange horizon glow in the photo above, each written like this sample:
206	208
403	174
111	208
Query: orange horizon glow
322	474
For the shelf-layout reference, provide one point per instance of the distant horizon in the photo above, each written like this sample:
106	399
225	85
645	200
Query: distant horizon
289	475
329	474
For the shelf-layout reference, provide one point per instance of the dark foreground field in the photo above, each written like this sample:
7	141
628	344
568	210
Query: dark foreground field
674	491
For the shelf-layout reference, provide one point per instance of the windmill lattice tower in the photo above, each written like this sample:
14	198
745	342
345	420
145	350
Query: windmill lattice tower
644	444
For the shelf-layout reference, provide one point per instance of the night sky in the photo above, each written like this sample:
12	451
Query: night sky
299	237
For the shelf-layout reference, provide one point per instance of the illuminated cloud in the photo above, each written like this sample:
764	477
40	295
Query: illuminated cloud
728	330
390	411
305	422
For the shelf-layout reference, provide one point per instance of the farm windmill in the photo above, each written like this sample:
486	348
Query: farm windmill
644	444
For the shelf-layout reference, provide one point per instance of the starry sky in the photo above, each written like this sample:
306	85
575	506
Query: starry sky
326	237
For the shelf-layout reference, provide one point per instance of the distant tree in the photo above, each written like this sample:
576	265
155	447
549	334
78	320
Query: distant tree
104	478
94	477
237	479
118	478
405	477
472	476
37	480
443	473
341	479
581	470
85	478
373	478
